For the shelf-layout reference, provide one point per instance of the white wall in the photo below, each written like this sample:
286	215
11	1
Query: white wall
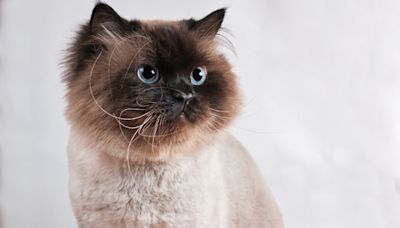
322	116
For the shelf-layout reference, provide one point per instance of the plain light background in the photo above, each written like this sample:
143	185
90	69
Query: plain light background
321	80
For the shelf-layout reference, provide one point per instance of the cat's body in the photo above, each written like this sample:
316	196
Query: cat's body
148	103
218	187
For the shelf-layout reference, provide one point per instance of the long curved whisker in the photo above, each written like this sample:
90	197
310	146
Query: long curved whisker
132	118
120	124
109	63
219	116
130	144
133	58
92	94
218	110
155	132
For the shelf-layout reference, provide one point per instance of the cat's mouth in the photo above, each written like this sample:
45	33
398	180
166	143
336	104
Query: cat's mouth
179	112
162	122
189	113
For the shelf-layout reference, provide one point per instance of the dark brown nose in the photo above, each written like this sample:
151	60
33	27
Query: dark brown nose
183	97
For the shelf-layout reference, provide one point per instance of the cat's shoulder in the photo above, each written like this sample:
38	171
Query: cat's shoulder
228	143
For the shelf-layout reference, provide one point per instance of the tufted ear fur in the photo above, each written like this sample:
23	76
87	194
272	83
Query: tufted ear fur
105	18
209	25
104	24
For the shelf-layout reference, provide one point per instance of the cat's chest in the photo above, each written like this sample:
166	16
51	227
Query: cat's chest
177	194
144	195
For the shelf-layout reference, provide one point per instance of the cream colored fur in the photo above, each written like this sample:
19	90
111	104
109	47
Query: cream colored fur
217	187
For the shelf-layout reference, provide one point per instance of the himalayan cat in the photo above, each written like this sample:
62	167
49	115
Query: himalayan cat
148	102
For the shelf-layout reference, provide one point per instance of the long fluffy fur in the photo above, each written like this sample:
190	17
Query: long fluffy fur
131	163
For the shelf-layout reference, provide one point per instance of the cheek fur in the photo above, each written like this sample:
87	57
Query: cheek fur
124	95
215	91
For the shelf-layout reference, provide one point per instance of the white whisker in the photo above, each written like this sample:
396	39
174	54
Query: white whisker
130	144
133	58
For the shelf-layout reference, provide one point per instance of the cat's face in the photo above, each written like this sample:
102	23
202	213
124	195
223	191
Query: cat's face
158	86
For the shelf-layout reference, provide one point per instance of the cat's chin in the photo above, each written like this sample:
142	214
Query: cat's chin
187	139
184	118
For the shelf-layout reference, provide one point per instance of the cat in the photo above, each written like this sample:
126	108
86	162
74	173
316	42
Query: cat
148	103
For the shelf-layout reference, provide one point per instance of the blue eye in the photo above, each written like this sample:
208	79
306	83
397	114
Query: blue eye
148	74
198	76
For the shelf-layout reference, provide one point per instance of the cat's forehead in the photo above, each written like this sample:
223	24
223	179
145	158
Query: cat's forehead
173	43
169	35
168	45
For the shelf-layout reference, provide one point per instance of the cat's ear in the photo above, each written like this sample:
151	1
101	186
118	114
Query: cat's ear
209	25
105	18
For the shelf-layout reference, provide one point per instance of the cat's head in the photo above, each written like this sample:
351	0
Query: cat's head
159	86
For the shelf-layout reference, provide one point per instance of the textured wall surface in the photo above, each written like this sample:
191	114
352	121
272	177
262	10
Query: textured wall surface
321	117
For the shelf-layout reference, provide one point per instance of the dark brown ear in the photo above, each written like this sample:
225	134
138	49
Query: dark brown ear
209	25
105	18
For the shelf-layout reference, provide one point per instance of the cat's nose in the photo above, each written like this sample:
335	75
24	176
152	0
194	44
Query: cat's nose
184	97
